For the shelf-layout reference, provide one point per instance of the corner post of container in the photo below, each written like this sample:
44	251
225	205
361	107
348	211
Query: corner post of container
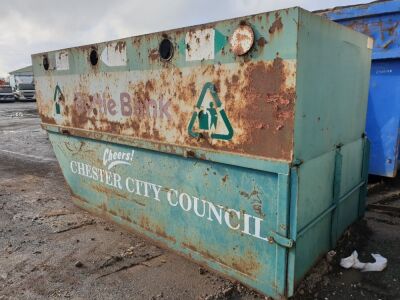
364	176
282	229
293	198
337	178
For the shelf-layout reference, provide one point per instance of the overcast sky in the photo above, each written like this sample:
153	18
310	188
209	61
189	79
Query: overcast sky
28	27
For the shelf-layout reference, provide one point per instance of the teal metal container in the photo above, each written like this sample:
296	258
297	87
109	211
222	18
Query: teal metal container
239	144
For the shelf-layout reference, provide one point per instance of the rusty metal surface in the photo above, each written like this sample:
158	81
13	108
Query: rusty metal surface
258	97
242	39
155	102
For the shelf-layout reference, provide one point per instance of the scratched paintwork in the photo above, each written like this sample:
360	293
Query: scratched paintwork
235	151
225	186
156	103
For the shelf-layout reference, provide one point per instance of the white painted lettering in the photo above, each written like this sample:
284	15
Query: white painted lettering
195	208
228	213
169	197
95	174
185	198
73	167
246	224
257	228
156	189
108	178
81	168
127	181
117	181
217	214
229	217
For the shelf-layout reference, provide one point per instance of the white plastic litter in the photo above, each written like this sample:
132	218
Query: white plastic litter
353	262
379	264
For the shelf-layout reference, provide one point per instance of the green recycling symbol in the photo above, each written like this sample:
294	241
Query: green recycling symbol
58	95
207	117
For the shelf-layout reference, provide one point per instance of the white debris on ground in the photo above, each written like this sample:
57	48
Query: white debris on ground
353	262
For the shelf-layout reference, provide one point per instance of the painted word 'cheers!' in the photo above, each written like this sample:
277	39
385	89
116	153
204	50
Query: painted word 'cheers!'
126	106
112	158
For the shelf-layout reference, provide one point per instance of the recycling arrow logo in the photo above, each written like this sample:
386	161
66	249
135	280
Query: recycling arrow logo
58	96
209	116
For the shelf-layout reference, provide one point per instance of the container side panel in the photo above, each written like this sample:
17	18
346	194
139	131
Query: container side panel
315	196
310	248
351	166
351	176
348	212
220	215
332	86
322	216
204	97
315	188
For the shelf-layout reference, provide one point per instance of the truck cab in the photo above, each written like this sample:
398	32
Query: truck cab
25	92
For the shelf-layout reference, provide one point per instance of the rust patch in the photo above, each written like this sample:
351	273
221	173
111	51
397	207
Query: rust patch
261	42
158	230
360	27
144	222
247	264
258	98
120	46
235	79
270	108
277	25
47	120
153	55
225	178
124	216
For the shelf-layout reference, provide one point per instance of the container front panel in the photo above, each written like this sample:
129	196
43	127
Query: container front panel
217	214
203	97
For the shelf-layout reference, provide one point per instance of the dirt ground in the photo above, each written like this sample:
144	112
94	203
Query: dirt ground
51	249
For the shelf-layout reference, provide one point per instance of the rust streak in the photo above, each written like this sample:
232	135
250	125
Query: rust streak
277	25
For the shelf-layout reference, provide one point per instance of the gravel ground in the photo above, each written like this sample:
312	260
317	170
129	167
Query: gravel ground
51	249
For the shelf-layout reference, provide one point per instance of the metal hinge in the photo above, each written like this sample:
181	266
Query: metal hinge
297	162
280	240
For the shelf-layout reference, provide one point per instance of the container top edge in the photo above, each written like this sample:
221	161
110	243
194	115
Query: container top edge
360	10
166	32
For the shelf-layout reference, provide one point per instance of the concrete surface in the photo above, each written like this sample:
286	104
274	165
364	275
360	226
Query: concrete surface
51	249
